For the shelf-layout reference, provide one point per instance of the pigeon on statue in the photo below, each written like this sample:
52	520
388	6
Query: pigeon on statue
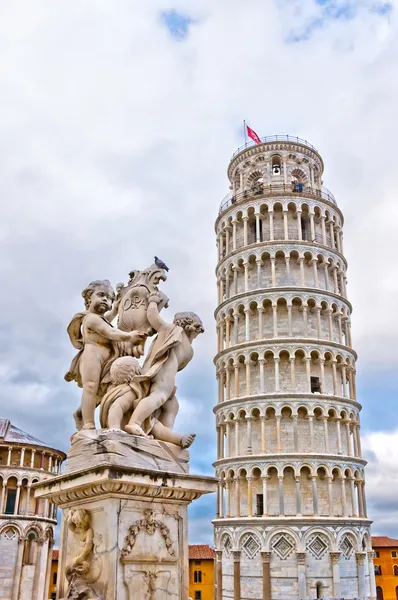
159	263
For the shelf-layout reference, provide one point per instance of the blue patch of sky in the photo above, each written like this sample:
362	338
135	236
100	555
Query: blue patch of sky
384	9
177	23
378	395
334	10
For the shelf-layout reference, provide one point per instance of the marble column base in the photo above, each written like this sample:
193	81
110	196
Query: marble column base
130	538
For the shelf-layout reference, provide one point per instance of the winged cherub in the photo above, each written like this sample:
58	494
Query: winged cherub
99	344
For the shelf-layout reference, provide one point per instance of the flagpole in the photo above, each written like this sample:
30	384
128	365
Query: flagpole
245	132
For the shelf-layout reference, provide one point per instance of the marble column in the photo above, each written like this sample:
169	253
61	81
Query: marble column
360	556
302	580
299	228
3	494
236	557
18	569
237	496
315	495
298	496
281	497
249	497
372	580
38	569
16	507
266	556
265	495
335	559
28	490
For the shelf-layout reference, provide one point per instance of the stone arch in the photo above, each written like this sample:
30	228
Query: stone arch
226	544
250	542
11	525
273	537
352	536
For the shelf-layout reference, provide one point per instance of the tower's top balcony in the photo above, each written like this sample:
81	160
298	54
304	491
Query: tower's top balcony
281	189
288	143
279	165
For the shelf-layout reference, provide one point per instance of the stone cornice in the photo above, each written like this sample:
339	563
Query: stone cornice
283	398
282	343
283	291
291	521
33	518
114	481
276	245
252	460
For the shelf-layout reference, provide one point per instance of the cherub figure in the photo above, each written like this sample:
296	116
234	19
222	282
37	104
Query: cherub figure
79	522
126	391
85	569
99	343
169	353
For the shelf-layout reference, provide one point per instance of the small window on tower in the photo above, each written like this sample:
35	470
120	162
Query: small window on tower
394	554
315	385
259	505
276	165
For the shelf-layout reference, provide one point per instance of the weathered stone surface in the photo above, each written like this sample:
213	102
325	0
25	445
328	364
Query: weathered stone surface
131	534
115	447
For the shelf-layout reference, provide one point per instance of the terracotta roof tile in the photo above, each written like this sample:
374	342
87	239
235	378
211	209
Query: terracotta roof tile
382	541
201	552
55	554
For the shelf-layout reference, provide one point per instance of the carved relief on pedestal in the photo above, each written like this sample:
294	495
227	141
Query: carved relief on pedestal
86	567
150	564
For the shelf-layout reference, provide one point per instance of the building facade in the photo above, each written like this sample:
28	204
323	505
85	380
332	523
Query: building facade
201	572
291	512
52	591
26	524
386	567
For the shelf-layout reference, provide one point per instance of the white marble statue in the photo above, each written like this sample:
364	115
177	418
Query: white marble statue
99	344
137	400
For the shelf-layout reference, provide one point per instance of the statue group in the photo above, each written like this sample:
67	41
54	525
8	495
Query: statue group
139	400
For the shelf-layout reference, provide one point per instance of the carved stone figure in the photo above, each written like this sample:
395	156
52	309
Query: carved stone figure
169	353
99	345
139	401
127	389
84	569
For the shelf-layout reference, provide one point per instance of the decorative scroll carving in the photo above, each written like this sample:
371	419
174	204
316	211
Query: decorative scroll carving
150	524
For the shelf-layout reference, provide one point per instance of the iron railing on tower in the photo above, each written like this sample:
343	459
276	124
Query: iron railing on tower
279	189
275	138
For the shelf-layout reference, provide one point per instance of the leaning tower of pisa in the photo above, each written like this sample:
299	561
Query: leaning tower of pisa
291	519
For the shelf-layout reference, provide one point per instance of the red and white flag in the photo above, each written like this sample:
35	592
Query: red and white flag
253	135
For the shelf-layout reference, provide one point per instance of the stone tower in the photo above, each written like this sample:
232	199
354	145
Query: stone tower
26	525
291	512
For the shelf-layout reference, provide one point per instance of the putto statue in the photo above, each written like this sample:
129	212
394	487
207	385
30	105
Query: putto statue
139	401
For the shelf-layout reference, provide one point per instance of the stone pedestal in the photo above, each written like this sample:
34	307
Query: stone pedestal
124	528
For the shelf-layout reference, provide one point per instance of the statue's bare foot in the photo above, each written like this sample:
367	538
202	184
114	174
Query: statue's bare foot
187	440
78	419
135	429
88	425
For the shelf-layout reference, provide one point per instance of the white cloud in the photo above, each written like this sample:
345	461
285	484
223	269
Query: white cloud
380	449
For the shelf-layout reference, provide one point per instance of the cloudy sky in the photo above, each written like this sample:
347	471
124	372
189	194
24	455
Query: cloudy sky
117	122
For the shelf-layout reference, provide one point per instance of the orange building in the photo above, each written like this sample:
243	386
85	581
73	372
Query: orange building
52	591
386	567
201	572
